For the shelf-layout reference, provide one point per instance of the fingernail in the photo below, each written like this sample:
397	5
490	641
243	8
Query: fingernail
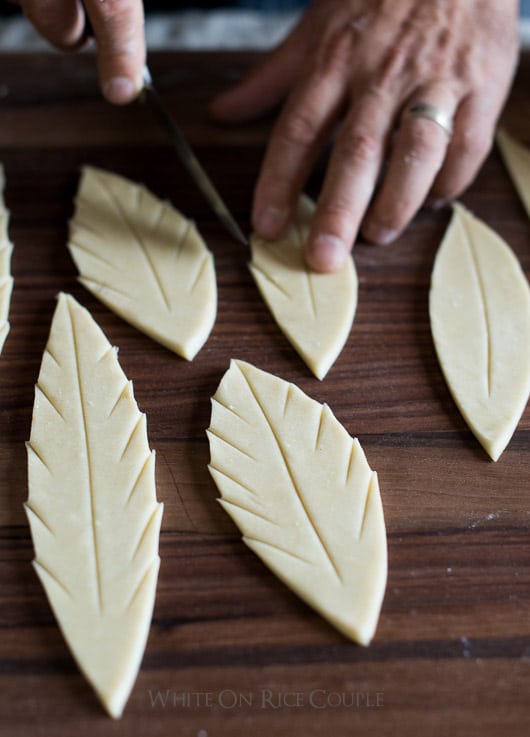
377	234
326	253
270	221
119	90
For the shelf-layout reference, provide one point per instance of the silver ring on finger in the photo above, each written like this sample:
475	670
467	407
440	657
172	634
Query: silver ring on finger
430	112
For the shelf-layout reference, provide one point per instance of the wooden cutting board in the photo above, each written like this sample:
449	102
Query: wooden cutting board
231	650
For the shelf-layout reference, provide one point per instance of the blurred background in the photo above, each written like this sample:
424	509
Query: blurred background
204	24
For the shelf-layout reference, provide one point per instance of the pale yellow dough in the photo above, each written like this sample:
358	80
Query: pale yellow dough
315	311
302	493
144	260
480	321
517	159
92	504
6	280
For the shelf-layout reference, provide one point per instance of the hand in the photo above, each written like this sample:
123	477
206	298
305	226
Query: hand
363	62
118	28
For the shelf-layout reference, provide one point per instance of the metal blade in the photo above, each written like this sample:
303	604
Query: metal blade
188	158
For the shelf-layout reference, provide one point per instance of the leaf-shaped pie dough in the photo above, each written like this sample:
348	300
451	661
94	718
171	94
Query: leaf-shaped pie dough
517	159
303	495
315	311
6	280
480	321
92	507
144	260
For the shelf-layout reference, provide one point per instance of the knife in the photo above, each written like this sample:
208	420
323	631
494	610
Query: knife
150	96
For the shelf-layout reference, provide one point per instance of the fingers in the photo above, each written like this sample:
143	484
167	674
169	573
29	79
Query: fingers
118	27
61	22
474	128
301	130
417	156
350	181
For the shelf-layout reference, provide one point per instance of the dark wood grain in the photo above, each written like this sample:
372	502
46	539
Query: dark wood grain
232	649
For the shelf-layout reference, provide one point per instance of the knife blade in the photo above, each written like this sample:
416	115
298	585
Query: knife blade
150	96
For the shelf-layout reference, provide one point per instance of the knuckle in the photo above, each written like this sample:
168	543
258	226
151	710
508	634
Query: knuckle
334	56
298	128
359	147
422	141
338	217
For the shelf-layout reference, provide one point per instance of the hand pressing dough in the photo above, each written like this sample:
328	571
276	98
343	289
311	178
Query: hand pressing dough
480	321
315	311
6	280
517	160
92	503
144	260
302	493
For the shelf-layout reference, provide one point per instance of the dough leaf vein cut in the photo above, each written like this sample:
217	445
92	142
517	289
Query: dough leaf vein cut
311	521
480	320
144	260
315	311
303	495
92	503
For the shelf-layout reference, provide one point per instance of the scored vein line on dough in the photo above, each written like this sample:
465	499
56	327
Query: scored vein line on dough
484	305
29	507
81	222
96	286
50	402
76	245
121	395
159	215
38	564
288	395
367	496
300	236
50	353
235	481
92	511
292	479
200	271
37	455
271	281
139	240
230	409
231	445
108	350
131	436
274	546
139	585
350	462
320	426
139	475
311	293
259	515
144	532
182	239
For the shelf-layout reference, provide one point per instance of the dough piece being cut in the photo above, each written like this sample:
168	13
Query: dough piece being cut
92	503
6	280
144	260
480	322
302	493
315	311
517	159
